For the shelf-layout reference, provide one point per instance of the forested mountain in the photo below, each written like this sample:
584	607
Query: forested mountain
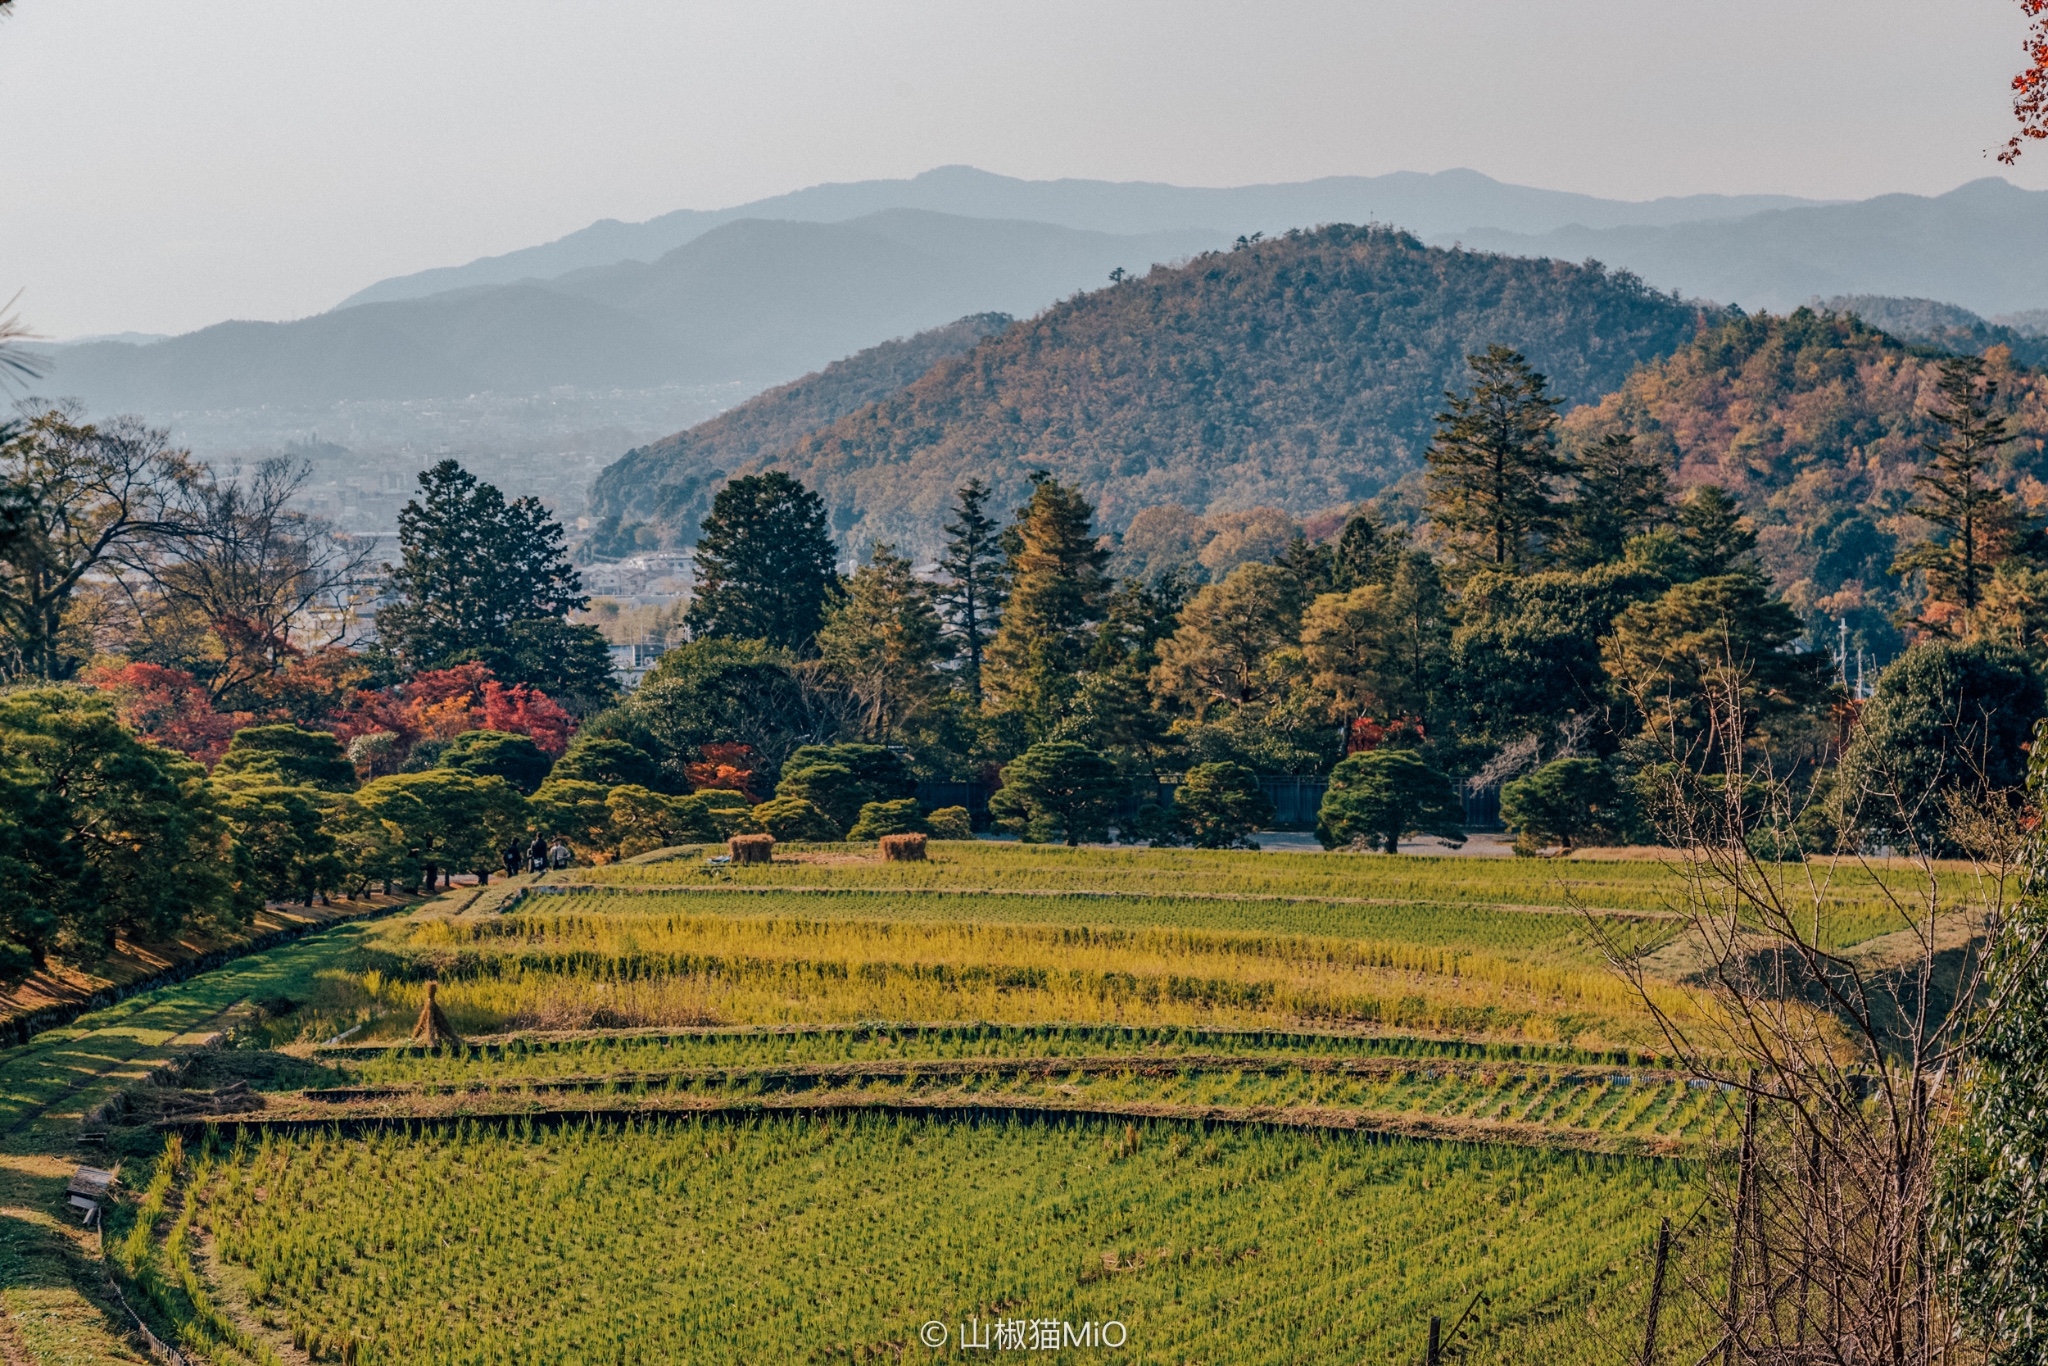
1816	422
1303	372
668	479
756	300
1948	326
1441	202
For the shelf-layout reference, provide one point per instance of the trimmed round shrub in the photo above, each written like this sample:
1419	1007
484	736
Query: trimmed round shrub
831	788
900	817
795	820
950	823
1220	805
498	754
1562	803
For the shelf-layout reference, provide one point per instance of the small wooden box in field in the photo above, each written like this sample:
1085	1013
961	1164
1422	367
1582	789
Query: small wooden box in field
751	848
903	848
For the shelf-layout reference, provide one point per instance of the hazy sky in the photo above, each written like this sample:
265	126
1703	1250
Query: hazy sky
168	165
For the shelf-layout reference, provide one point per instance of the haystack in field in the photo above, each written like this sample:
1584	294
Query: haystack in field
751	848
903	848
433	1030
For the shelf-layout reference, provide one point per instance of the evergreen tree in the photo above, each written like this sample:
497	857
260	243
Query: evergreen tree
1494	462
883	639
1622	493
1057	595
1376	797
1312	567
764	564
1976	522
973	564
1366	552
472	567
1716	537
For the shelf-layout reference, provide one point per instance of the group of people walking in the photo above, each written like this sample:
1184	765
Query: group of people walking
537	857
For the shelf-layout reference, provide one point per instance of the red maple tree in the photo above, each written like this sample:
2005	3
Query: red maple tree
2030	87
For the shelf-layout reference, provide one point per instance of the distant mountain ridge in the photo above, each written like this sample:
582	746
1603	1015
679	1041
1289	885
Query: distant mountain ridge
758	300
1983	245
1302	372
1429	204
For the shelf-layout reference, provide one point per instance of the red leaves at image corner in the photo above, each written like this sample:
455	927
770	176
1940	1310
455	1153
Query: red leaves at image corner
2030	87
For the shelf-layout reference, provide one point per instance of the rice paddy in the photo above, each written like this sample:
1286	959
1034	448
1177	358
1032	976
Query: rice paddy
1246	1111
842	1238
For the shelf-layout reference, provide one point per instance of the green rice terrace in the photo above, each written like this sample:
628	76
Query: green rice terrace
1228	1107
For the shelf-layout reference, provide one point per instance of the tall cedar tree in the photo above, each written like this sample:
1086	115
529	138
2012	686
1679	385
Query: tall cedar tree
1716	537
1494	462
1976	522
973	562
1622	493
1057	594
764	564
472	566
883	638
1367	552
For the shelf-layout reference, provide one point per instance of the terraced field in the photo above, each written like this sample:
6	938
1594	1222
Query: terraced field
1246	1111
842	1238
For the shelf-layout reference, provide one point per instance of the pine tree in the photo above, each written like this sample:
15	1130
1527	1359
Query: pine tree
973	599
1057	595
473	567
1494	462
764	564
1366	552
1622	493
1976	522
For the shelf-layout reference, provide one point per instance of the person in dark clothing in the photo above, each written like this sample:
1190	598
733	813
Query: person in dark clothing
537	855
512	859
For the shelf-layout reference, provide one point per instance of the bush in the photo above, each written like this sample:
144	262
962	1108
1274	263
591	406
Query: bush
643	820
900	817
609	762
1947	721
831	788
290	757
498	754
577	812
1220	805
1058	790
1562	803
795	820
950	823
881	772
1379	796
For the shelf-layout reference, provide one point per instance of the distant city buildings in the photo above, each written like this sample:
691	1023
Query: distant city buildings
656	578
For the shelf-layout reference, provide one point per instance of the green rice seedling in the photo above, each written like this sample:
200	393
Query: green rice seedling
813	1238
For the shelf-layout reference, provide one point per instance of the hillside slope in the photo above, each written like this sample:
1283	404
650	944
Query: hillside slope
1815	421
1301	372
666	480
1983	245
1442	202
